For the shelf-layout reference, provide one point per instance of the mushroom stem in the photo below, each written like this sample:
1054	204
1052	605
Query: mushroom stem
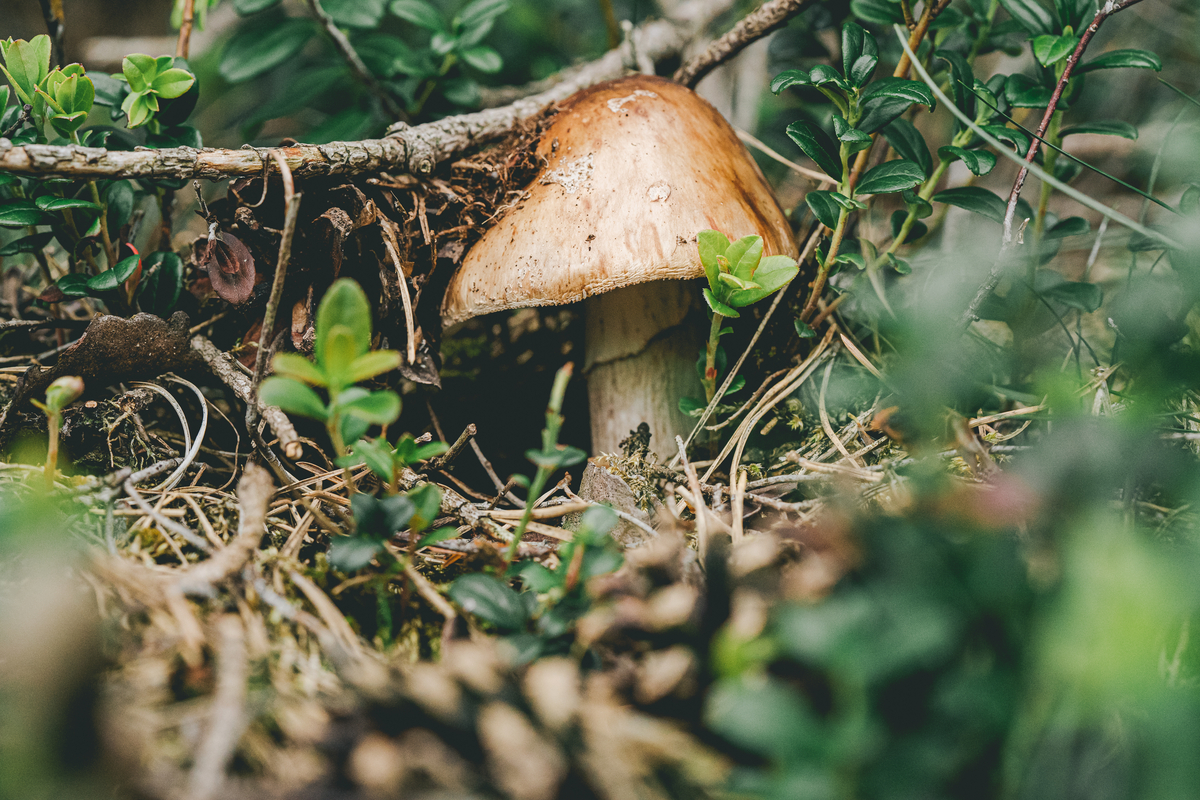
641	348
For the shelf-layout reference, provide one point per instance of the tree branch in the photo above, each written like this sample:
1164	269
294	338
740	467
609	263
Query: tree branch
416	149
769	17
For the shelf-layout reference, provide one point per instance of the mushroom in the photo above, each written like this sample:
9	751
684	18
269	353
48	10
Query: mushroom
634	169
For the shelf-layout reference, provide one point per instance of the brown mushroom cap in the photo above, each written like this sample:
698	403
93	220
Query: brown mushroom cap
635	168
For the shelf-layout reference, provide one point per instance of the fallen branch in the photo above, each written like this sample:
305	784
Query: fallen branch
416	149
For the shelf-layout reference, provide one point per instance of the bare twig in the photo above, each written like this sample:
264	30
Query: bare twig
291	205
350	56
223	366
769	17
254	492
183	45
416	149
52	13
1110	7
440	462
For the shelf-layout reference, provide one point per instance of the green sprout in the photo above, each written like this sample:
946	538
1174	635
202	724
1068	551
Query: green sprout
738	275
59	395
343	359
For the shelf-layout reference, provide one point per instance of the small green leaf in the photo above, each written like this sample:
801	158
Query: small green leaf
536	578
293	397
356	13
1049	50
824	207
294	365
481	11
110	279
26	65
1021	91
377	408
789	78
818	146
879	12
711	244
912	91
1072	294
891	176
1032	16
769	718
1107	127
908	143
980	162
375	362
51	203
562	456
744	260
345	305
1014	137
860	54
419	13
173	83
1071	226
852	138
21	214
28	244
717	306
256	49
1117	59
73	285
443	534
247	7
376	455
974	199
736	282
490	599
803	330
483	58
352	553
691	406
773	273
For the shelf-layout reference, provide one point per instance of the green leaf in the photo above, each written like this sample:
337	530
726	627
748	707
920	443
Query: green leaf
257	49
73	285
356	13
294	365
1118	59
443	534
419	13
173	83
344	305
917	204
1071	226
51	203
691	406
789	78
881	109
483	58
1032	15
562	456
748	252
377	455
773	273
974	199
909	144
28	244
377	408
1189	202
853	138
139	109
26	64
1106	127
735	282
768	718
818	146
880	12
711	244
912	91
1018	139
120	199
293	397
717	306
1049	50
860	54
803	329
824	206
490	599
1021	91
21	215
1072	294
139	70
427	505
980	162
110	279
916	231
480	12
536	578
961	81
248	7
352	553
891	176
375	362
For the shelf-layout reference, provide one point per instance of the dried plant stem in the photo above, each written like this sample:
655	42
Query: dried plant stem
767	18
183	45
